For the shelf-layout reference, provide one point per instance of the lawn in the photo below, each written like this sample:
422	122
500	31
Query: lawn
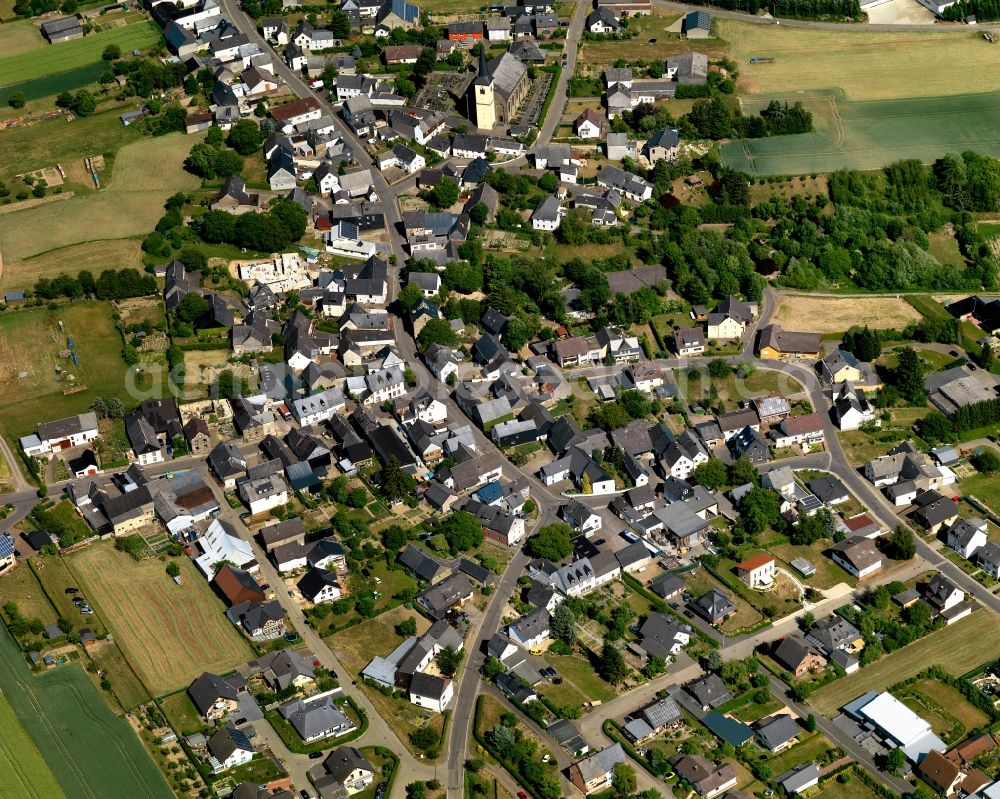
23	772
639	49
984	487
393	581
699	582
30	342
803	752
957	649
20	36
860	447
855	789
27	65
86	746
182	714
126	686
580	682
747	710
828	573
170	633
835	314
20	586
145	174
732	389
94	256
54	573
949	713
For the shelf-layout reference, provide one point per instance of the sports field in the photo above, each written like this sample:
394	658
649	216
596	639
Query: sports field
835	314
145	174
956	649
30	64
95	256
870	105
30	343
23	773
169	633
92	753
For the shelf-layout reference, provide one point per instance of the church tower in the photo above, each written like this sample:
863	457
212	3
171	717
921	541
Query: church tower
486	111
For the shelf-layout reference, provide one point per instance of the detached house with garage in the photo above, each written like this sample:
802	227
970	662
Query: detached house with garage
74	431
858	556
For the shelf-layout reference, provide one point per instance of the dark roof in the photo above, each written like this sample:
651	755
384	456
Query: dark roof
419	562
208	688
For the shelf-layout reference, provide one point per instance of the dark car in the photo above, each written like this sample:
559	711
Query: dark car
675	605
72	590
600	542
652	41
953	353
689	614
240	721
315	755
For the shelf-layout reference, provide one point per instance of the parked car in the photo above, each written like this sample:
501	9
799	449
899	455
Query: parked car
315	755
689	614
72	590
675	605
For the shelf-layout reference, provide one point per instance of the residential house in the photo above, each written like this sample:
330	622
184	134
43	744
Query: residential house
228	748
688	342
806	430
757	572
663	636
216	697
794	655
941	773
708	691
714	606
851	408
777	733
800	779
315	718
589	125
773	343
708	779
349	768
318	586
595	773
858	556
530	630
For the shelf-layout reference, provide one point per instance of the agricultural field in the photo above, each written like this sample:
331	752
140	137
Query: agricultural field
20	36
27	65
94	256
30	343
23	772
170	633
146	173
22	587
835	315
52	707
956	649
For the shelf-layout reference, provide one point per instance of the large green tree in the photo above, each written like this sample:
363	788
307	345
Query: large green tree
553	542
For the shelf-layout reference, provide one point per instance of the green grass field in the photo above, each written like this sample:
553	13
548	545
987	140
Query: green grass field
30	342
145	174
20	36
23	773
126	686
957	649
29	64
92	753
170	633
869	134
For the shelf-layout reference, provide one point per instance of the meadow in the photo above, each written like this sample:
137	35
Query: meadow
956	649
20	36
30	343
835	315
169	633
23	772
94	256
145	174
26	65
863	122
65	715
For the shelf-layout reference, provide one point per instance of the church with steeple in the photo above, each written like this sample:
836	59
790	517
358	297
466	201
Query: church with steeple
497	91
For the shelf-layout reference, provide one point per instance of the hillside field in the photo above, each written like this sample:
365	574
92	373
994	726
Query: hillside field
146	173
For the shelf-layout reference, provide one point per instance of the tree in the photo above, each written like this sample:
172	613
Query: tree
437	331
900	545
918	615
410	296
444	194
548	181
718	368
563	624
225	384
936	427
742	471
492	668
985	359
479	213
811	719
712	474
908	376
17	100
985	460
895	761
462	531
395	483
448	660
407	626
245	137
394	538
173	570
553	542
112	52
611	665
191	307
623	779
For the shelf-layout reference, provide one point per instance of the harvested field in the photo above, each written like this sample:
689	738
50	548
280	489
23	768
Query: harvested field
656	27
20	36
956	649
145	174
835	315
809	59
92	255
170	633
